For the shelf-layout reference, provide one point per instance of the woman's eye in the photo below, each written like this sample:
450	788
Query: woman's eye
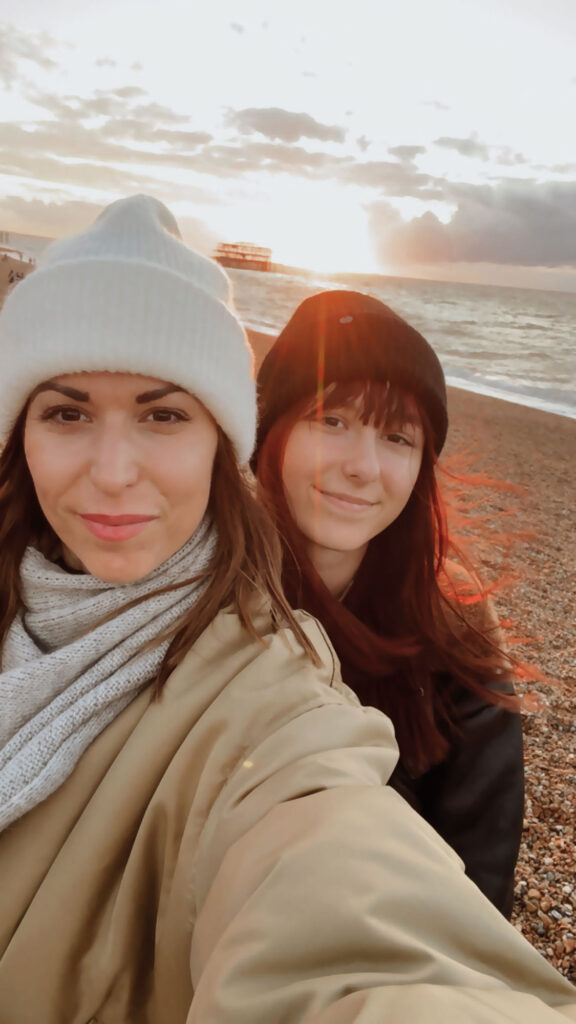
165	416
64	414
400	439
332	421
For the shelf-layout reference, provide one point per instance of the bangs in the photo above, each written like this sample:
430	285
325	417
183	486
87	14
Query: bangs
380	404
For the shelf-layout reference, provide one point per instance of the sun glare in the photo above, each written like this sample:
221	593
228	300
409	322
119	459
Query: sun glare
316	226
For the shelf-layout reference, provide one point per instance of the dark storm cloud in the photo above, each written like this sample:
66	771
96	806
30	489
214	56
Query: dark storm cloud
516	223
285	125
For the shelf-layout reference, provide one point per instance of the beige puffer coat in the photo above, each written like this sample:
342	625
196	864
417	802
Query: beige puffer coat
229	855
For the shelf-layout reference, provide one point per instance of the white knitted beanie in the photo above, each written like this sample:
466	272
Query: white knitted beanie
128	296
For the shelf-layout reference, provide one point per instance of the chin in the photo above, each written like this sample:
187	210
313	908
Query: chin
118	570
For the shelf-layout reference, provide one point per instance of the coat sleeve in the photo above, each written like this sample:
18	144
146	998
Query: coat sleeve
322	897
475	798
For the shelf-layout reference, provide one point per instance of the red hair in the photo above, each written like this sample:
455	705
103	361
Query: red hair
406	632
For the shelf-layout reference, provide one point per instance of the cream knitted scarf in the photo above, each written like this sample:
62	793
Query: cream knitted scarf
65	677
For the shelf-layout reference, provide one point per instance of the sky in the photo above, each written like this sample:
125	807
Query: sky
409	137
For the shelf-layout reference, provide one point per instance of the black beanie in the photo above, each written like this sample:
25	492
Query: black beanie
349	336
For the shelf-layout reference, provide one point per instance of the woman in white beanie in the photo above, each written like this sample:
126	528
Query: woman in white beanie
193	826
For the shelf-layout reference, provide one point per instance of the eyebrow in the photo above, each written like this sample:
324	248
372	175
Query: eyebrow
62	389
153	396
83	396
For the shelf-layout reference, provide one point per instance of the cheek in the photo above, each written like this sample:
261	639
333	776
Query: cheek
406	475
184	474
305	457
44	465
298	467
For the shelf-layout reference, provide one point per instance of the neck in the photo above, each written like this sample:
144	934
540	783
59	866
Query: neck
336	569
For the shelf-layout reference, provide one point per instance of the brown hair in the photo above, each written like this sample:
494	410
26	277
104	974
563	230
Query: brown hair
409	627
246	562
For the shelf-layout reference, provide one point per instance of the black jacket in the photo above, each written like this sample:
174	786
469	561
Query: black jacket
475	797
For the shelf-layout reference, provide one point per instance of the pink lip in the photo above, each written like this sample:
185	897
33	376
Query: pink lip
116	528
346	500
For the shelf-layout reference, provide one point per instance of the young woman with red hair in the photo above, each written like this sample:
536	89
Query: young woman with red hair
353	418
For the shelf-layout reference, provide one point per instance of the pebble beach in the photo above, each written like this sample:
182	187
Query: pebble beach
528	505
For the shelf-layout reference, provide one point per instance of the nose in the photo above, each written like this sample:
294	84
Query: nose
361	461
114	463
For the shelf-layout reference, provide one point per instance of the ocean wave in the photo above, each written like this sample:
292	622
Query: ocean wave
499	329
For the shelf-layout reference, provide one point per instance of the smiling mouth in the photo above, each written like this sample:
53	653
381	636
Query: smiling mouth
346	500
127	520
115	528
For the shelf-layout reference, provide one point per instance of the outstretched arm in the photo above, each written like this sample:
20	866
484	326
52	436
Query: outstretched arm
325	898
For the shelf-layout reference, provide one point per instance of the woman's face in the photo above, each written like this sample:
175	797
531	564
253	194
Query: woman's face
346	481
122	467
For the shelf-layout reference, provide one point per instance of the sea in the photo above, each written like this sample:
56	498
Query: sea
514	344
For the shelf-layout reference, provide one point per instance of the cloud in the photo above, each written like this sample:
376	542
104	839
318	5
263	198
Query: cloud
72	154
363	143
228	161
514	223
471	147
128	92
105	103
285	125
393	179
109	130
16	46
105	62
436	104
507	157
236	27
85	173
560	168
407	153
140	131
50	218
35	216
